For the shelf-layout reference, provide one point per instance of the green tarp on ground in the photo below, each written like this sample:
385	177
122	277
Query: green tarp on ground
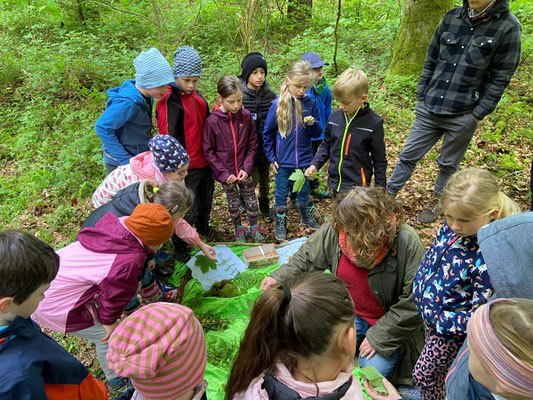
224	319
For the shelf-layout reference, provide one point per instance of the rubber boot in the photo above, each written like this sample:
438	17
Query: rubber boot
281	222
307	210
264	207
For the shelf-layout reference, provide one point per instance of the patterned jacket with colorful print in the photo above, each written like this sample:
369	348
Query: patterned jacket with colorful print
451	283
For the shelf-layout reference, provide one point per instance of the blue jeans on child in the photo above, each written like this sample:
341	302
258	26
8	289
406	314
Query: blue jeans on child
283	186
384	365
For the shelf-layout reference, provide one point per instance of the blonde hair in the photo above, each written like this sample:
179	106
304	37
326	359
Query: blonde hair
284	112
352	83
512	323
174	196
474	193
371	217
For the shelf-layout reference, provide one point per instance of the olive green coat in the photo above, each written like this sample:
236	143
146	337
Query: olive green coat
391	281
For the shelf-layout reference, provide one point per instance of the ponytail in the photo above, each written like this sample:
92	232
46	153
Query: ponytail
474	193
174	196
299	322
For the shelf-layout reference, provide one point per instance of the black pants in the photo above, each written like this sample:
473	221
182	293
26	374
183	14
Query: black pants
200	181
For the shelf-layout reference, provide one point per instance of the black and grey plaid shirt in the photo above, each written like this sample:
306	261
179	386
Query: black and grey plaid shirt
469	64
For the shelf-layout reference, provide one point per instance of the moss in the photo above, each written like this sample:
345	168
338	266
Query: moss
224	289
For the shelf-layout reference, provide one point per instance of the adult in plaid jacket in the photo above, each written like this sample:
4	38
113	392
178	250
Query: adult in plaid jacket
471	59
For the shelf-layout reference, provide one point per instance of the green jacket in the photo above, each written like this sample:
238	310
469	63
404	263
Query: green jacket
391	281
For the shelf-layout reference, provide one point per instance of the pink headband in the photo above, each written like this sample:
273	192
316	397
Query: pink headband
513	375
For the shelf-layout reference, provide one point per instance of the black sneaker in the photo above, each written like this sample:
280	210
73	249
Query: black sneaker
163	272
431	211
118	386
320	194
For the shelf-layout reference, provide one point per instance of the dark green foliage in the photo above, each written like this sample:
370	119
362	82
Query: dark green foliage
225	288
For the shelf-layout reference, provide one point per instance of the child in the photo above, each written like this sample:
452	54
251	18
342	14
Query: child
33	365
169	362
230	145
321	94
174	196
181	113
367	244
293	119
166	160
126	125
353	142
453	282
500	339
256	98
98	276
300	341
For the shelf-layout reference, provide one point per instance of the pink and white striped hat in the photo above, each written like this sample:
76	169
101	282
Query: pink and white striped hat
161	348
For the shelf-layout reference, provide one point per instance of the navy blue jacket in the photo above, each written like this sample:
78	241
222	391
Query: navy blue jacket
30	359
125	127
295	149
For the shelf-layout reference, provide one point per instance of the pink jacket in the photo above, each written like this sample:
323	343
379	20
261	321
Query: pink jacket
255	392
140	167
98	275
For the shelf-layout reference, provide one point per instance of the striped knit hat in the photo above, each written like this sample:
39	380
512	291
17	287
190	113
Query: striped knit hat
511	374
152	70
161	348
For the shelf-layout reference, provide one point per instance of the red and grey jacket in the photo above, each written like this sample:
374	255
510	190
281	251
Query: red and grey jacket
355	149
182	116
230	143
34	366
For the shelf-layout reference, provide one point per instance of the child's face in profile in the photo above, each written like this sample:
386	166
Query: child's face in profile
188	83
298	86
464	226
158	92
178	175
28	306
350	105
319	73
256	78
232	103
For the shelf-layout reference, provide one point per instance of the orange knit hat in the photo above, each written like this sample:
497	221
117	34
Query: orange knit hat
151	223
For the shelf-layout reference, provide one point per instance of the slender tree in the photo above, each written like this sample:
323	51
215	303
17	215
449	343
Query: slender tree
420	19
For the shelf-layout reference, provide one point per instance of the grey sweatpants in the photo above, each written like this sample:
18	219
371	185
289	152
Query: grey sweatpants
425	132
95	334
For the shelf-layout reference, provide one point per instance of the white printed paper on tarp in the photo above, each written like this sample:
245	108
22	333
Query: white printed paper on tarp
287	250
207	272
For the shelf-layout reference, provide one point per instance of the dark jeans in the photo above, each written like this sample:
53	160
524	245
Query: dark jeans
426	131
261	177
283	185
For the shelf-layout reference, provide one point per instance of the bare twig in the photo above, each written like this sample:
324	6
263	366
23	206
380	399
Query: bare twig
339	10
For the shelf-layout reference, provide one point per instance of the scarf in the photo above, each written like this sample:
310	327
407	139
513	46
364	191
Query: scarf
475	17
320	86
513	375
347	250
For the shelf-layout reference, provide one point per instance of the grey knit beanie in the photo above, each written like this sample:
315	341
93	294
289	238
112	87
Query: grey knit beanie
187	62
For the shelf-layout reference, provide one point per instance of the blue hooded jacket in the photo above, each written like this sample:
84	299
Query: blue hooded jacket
125	127
294	150
323	102
507	246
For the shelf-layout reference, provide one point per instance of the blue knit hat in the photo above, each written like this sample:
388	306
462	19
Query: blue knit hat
187	62
152	70
169	155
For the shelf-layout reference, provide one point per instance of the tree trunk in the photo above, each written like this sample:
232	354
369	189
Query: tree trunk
420	19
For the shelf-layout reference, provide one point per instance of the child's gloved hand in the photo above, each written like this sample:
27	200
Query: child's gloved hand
208	251
231	179
309	120
309	172
242	175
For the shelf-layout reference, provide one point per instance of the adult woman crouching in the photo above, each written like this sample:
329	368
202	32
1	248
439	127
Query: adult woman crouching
367	244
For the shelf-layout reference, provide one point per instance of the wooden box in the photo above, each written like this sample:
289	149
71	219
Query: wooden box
261	256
